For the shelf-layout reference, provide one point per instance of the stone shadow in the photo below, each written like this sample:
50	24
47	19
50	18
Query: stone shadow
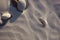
15	12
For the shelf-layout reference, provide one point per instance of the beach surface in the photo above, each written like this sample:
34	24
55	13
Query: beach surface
40	21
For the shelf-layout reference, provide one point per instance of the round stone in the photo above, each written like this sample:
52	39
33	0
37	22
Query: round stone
6	15
21	5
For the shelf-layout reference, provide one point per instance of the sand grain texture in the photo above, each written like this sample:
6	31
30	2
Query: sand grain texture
27	26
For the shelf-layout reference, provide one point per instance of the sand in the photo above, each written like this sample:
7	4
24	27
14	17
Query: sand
40	21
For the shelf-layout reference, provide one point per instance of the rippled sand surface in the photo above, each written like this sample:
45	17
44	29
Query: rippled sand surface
40	21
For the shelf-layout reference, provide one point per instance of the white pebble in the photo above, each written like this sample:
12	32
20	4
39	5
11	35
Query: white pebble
6	15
